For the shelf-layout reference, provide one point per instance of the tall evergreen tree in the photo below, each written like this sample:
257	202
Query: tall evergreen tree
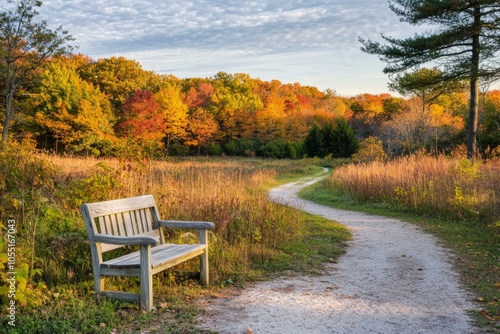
313	144
464	43
344	142
329	139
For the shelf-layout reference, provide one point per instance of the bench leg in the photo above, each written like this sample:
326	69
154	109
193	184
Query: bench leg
98	284
204	268
204	258
146	279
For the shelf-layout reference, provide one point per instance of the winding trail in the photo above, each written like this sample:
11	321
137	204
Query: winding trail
393	279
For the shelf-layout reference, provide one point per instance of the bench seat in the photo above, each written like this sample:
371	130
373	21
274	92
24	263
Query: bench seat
162	257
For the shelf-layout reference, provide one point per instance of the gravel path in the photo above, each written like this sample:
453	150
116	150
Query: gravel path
393	279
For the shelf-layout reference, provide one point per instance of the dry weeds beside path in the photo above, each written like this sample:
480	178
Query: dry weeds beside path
393	279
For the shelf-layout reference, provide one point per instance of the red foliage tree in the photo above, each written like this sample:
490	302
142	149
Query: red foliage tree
142	118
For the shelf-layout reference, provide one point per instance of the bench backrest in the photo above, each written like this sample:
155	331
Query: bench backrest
122	217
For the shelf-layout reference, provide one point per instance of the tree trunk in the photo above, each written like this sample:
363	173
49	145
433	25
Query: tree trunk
5	131
8	117
474	85
473	119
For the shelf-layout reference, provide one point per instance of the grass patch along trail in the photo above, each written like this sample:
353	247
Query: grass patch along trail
393	279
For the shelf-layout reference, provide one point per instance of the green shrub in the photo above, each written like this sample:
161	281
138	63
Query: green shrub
370	149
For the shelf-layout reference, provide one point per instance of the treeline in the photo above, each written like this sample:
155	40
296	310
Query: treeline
113	107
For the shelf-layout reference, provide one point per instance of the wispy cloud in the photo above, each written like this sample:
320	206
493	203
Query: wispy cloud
293	40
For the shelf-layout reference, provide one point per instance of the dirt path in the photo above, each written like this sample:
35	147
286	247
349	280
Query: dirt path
393	279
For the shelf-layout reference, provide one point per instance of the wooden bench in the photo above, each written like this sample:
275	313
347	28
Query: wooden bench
135	221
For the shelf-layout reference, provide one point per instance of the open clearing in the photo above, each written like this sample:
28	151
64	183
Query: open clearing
393	279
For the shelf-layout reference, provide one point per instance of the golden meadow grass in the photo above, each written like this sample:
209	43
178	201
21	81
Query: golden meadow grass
253	236
455	199
442	186
250	233
227	192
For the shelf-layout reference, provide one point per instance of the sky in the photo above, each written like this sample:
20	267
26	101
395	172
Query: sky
312	42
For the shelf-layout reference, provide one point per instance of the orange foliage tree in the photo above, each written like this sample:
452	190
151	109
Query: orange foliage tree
490	126
201	129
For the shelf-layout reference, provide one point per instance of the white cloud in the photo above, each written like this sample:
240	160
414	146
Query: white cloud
293	41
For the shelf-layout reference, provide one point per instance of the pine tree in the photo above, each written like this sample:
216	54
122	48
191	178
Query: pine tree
344	143
313	144
463	43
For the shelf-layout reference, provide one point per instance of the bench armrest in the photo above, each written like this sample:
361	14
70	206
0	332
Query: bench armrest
134	240
186	224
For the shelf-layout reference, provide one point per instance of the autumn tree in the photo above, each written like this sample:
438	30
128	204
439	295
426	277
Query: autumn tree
142	119
392	106
368	113
491	125
463	44
425	83
409	131
330	106
235	101
270	120
199	94
175	113
71	114
370	105
118	78
25	45
201	129
435	127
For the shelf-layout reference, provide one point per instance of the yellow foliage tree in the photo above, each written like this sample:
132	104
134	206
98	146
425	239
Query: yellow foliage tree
175	113
72	114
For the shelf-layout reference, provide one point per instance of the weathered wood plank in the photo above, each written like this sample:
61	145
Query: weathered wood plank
121	224
133	240
177	260
125	296
161	254
120	205
102	225
114	225
128	224
105	247
145	222
187	224
203	239
146	278
108	247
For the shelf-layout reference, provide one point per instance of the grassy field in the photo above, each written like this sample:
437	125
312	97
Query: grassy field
253	239
457	200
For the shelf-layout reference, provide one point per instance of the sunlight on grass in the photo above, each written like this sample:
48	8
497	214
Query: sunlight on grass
253	238
457	200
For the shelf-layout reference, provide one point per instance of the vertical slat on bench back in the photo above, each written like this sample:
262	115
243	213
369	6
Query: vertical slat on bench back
114	225
144	220
127	221
124	217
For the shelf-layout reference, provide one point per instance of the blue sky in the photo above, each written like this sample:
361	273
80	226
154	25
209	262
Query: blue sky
312	42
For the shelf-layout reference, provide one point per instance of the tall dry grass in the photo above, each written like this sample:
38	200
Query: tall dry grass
442	186
248	229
